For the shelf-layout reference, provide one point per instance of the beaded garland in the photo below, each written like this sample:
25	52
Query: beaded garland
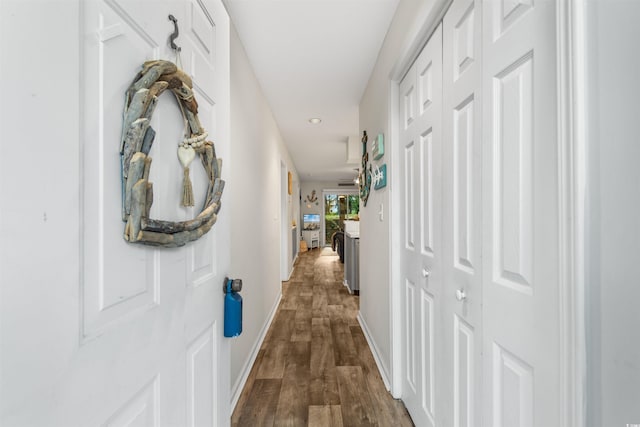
195	142
135	145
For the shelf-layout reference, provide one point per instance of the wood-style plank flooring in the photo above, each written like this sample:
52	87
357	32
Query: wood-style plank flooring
315	367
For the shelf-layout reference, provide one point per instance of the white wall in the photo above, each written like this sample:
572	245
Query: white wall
257	150
39	130
375	246
613	212
307	207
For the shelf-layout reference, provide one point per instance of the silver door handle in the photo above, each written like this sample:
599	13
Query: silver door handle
425	273
460	295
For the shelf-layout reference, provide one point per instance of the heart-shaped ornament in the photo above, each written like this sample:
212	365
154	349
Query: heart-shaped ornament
186	156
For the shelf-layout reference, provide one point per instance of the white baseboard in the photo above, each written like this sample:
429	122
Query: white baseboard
236	390
384	372
293	267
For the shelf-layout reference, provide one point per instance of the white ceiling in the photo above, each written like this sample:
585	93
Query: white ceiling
313	58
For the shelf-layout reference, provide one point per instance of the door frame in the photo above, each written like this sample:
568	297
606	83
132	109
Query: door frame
573	192
570	55
322	243
285	271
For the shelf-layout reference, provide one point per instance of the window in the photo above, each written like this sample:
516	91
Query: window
337	209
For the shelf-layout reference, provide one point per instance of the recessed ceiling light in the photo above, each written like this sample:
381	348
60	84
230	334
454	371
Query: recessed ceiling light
315	120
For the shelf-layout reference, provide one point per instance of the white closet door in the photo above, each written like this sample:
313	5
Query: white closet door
462	213
420	154
520	183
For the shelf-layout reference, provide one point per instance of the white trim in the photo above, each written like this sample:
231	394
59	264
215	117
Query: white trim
237	388
295	258
293	263
340	191
384	371
285	225
395	295
291	272
419	40
571	198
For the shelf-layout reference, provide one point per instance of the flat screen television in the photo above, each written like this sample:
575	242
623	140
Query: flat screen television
311	218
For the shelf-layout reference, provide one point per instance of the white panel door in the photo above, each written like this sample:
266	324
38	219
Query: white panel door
462	213
420	154
520	186
150	339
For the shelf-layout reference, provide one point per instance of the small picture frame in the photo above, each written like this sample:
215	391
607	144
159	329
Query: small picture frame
378	147
380	177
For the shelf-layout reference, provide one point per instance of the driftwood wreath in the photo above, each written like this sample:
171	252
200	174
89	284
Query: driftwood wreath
136	141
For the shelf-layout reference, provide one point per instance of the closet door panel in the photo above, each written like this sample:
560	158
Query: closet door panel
420	153
462	213
521	216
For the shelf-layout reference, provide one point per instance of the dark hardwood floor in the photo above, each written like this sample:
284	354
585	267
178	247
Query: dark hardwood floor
315	367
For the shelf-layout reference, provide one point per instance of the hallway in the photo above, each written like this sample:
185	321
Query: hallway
315	367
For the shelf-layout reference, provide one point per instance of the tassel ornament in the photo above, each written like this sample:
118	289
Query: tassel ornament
186	156
187	189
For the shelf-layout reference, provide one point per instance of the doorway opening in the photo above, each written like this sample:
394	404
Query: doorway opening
338	207
285	266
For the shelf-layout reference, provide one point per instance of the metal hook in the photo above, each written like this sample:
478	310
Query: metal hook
175	34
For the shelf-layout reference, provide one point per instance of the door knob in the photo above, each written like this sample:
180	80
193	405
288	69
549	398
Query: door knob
425	273
460	295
